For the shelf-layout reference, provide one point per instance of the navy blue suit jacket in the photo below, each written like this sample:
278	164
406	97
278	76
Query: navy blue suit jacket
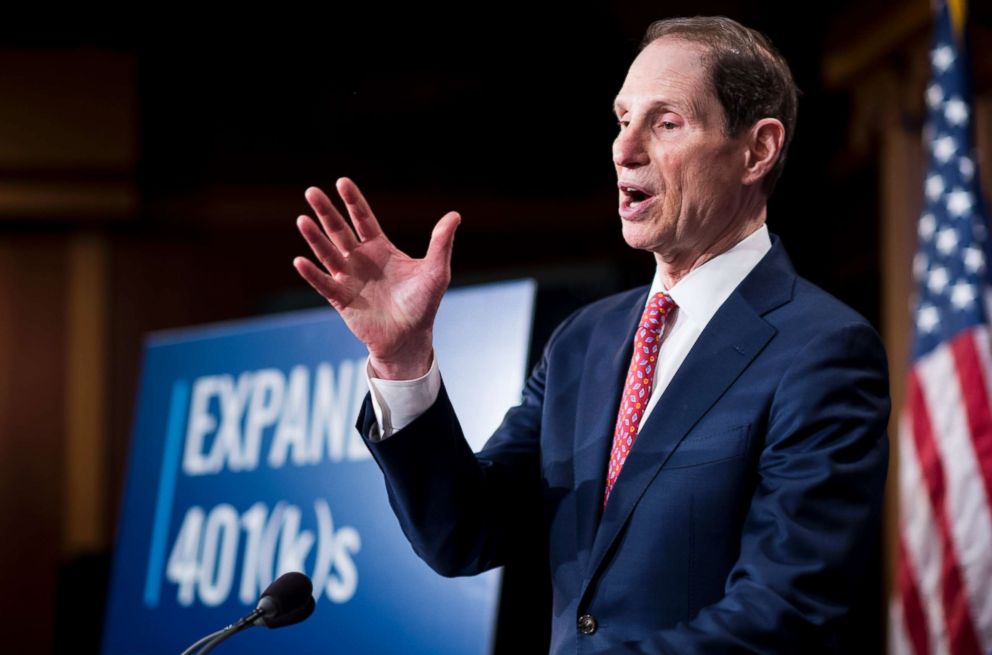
747	516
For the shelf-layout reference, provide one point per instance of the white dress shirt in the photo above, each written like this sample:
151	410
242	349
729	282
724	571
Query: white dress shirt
698	296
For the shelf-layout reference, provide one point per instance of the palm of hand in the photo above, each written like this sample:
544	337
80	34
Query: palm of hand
387	299
387	294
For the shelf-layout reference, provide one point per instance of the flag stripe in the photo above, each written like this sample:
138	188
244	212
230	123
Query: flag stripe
947	396
912	619
976	400
961	632
918	528
975	508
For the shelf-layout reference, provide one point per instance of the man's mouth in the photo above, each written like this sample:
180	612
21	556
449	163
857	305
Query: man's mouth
633	201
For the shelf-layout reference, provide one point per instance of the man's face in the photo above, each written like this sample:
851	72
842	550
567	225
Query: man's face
671	147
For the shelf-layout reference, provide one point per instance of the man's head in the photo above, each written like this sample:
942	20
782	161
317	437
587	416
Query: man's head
750	77
706	114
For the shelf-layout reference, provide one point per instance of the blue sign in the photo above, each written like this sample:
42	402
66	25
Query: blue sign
245	464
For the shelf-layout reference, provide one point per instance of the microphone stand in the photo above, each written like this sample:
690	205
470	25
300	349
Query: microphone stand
291	591
207	644
192	649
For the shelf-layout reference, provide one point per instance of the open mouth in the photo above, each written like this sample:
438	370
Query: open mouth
633	201
635	197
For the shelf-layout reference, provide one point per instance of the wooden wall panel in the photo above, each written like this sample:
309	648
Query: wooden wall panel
32	364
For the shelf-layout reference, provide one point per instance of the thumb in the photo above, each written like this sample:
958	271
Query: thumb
443	239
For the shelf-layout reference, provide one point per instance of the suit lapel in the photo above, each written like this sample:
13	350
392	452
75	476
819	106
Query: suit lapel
729	343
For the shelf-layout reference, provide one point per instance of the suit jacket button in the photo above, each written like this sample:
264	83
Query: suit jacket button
587	624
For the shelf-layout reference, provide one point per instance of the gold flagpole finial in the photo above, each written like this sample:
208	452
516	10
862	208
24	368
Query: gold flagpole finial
959	11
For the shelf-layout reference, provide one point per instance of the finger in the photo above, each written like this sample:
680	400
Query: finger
321	246
361	214
443	239
322	282
336	227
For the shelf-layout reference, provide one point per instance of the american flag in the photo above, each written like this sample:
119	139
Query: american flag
943	600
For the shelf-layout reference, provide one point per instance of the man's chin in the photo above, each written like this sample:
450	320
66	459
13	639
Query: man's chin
639	236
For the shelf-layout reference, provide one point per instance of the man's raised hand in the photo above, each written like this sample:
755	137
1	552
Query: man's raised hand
387	299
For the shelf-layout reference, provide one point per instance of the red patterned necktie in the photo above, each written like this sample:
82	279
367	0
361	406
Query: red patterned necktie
637	388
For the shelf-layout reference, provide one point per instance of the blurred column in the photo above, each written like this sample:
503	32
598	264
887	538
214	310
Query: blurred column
68	152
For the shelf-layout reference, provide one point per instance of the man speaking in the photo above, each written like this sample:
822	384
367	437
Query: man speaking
706	455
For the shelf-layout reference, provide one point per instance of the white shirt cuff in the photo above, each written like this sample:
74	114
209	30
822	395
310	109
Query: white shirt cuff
397	403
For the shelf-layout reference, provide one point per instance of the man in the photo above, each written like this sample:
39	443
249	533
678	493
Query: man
706	456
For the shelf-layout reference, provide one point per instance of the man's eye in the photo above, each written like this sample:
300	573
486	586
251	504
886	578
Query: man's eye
622	124
668	125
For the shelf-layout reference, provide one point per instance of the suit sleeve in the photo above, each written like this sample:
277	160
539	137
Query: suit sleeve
465	513
812	532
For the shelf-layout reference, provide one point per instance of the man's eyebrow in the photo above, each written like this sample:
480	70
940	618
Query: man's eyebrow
618	103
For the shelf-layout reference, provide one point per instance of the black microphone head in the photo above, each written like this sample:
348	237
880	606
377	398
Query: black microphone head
295	616
288	593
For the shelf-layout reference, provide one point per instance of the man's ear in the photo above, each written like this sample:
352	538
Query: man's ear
763	146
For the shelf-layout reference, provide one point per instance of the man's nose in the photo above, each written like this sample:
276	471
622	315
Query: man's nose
628	148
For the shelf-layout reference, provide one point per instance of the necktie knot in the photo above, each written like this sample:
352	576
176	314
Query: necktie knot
660	306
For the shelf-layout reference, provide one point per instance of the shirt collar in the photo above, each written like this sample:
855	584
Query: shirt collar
703	290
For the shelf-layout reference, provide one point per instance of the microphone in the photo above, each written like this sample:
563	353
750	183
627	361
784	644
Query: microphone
289	618
288	594
286	601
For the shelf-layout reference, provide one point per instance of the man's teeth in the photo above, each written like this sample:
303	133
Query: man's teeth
635	196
